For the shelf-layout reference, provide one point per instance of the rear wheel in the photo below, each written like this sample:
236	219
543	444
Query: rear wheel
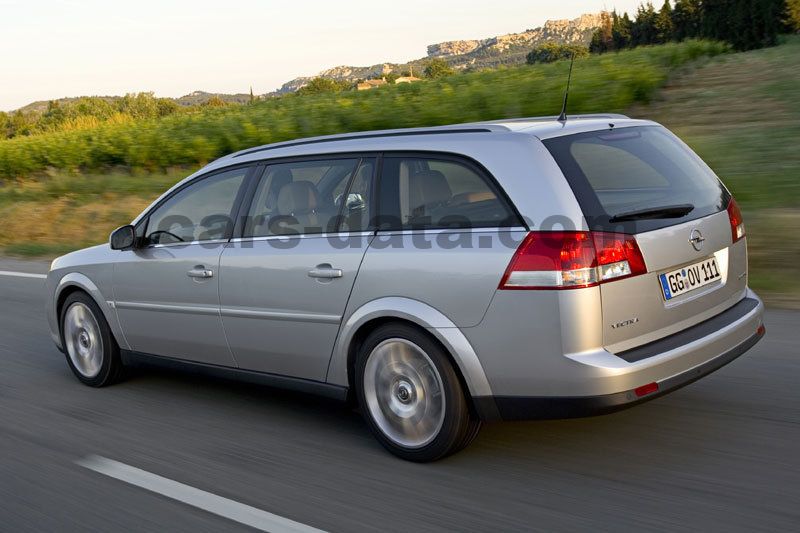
92	353
411	395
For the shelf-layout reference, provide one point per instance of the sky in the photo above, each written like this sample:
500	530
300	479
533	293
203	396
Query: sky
58	48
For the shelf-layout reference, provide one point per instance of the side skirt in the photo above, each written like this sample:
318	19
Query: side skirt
138	359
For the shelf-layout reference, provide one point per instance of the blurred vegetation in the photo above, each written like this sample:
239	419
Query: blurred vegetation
89	112
549	52
608	83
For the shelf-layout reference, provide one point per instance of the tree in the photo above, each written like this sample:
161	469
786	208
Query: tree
438	68
21	123
686	19
602	39
621	30
745	24
215	101
793	15
663	24
4	125
320	85
549	52
644	27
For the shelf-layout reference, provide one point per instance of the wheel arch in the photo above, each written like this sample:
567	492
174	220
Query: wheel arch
76	282
405	310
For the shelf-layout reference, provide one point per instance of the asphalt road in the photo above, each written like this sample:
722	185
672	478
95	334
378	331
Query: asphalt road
719	455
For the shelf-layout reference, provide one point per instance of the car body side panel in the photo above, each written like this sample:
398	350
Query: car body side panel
455	272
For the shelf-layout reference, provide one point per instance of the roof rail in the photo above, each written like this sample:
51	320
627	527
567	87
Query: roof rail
548	118
366	135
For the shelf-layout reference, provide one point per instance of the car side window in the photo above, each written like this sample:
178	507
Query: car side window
200	212
299	197
432	193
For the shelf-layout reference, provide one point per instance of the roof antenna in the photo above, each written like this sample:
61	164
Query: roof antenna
563	116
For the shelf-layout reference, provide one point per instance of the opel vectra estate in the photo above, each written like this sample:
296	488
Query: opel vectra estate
437	277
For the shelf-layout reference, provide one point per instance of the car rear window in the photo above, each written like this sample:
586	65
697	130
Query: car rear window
618	172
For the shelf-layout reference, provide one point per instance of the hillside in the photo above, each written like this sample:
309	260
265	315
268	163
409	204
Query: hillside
509	49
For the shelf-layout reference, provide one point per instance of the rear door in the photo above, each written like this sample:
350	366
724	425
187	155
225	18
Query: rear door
285	283
644	181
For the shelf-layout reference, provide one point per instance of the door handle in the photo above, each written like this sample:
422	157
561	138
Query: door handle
325	271
200	272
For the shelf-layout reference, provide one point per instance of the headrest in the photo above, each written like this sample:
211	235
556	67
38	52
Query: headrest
428	187
282	176
298	198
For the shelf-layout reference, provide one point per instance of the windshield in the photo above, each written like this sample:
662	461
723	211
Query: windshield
636	179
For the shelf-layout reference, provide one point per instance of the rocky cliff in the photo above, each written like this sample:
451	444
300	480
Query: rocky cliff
578	30
506	49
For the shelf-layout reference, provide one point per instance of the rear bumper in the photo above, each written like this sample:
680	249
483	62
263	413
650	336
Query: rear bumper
730	335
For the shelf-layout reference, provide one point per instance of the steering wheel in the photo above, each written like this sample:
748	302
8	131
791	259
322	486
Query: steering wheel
159	232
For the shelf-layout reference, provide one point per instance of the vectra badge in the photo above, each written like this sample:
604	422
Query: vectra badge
696	239
624	323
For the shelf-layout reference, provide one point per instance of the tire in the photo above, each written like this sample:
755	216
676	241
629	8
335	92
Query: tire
91	350
411	396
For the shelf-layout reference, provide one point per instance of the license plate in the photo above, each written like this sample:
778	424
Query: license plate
689	278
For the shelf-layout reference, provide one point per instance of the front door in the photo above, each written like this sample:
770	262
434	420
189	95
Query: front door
166	292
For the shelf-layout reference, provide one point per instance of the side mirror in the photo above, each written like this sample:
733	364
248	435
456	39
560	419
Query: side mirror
123	238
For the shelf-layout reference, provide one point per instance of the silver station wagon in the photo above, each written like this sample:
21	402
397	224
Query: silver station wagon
436	277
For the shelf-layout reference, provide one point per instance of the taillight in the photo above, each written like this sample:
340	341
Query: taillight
572	259
737	222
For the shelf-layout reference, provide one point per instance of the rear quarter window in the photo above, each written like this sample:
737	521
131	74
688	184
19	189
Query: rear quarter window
439	192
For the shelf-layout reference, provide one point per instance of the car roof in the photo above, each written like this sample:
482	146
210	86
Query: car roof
540	127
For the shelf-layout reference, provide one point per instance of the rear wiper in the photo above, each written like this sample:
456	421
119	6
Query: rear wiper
667	211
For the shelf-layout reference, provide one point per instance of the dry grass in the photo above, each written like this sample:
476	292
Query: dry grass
37	228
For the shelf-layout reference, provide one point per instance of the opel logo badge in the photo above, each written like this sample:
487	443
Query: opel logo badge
696	239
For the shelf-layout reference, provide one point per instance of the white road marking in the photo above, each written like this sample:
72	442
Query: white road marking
232	510
22	274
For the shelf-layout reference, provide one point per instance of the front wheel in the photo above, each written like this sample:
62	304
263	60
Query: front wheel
411	395
92	353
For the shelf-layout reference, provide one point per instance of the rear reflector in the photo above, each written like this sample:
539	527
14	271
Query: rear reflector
644	390
572	259
737	222
761	330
